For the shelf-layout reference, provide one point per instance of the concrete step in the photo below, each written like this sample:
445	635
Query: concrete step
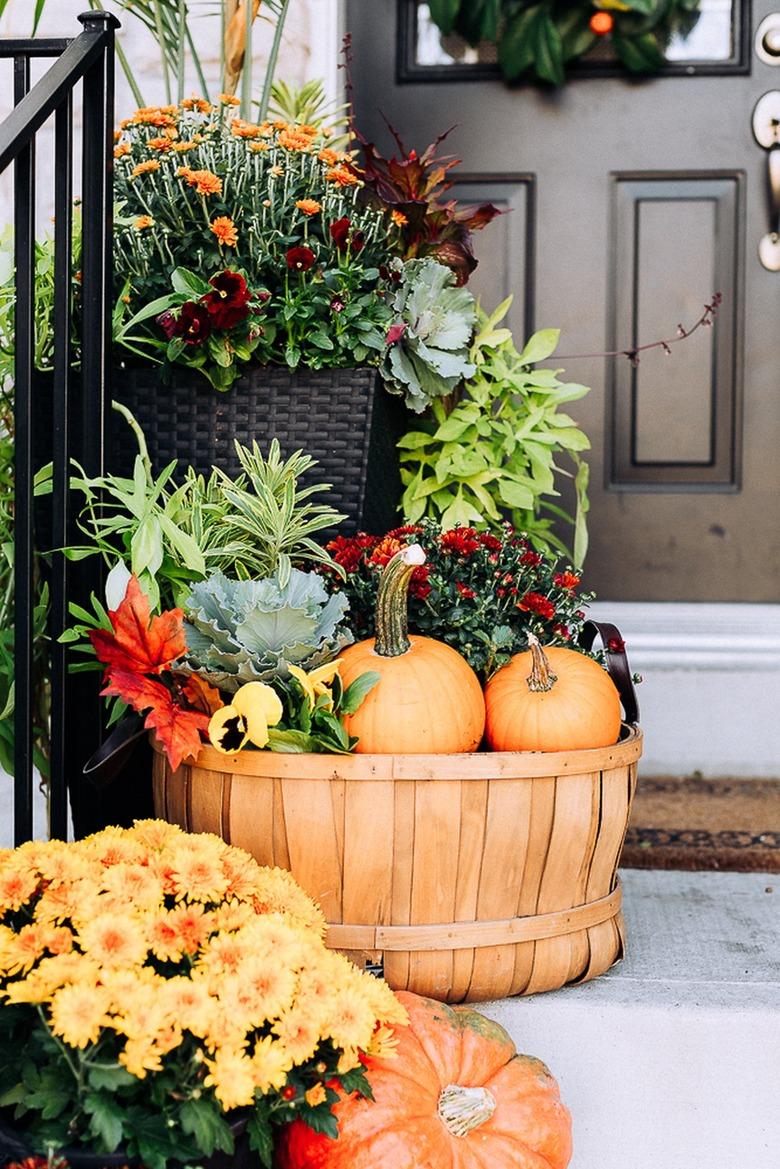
672	1059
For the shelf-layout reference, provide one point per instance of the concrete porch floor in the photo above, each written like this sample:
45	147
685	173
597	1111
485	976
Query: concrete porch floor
672	1059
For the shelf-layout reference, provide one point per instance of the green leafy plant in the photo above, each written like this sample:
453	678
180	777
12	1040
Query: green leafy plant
428	341
481	592
169	534
254	630
492	456
541	38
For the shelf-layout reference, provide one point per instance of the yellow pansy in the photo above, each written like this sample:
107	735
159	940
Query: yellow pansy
261	708
317	681
228	731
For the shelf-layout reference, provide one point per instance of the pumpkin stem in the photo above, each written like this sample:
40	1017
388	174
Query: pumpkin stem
541	679
462	1109
392	618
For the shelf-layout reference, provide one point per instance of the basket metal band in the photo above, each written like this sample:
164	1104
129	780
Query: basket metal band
463	935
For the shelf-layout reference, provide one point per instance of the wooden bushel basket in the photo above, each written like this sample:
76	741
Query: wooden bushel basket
470	877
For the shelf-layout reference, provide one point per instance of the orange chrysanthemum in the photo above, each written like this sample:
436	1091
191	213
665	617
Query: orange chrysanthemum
259	147
241	129
308	206
225	230
204	182
142	222
121	150
331	157
184	147
161	144
398	218
144	167
293	139
342	175
228	99
197	103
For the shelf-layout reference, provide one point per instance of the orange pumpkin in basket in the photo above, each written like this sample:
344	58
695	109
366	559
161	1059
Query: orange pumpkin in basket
551	700
428	698
455	1096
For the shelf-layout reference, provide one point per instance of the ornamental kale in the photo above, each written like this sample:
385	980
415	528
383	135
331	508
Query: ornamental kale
428	352
254	630
481	593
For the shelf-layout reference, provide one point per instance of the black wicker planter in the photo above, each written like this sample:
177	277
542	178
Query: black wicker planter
344	418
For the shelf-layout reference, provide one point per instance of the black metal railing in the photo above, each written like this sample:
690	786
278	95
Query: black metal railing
78	424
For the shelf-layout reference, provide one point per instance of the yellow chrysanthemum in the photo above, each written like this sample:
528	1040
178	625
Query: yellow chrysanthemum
18	883
196	869
315	1095
50	975
114	939
190	1003
262	989
384	1043
231	1075
154	834
224	954
126	884
141	1056
270	1064
299	1034
78	1013
351	1022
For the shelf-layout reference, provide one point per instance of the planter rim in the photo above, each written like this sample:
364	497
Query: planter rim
477	765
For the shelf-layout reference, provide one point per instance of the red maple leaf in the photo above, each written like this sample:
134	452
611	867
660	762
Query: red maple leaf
140	643
201	695
177	729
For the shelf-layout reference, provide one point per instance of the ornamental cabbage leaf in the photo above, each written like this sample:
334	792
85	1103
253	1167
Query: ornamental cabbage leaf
242	631
429	353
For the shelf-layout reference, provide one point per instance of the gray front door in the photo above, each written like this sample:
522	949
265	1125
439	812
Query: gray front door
631	204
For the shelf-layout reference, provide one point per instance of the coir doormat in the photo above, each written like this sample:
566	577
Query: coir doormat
727	824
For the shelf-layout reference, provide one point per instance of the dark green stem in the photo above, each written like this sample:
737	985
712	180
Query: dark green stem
392	618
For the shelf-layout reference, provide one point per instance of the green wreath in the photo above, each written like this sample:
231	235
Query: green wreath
540	39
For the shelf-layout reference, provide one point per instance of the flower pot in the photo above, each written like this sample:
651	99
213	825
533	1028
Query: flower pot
344	418
14	1146
470	877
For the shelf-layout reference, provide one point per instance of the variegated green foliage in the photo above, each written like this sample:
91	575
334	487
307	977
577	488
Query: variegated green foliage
494	455
252	630
434	322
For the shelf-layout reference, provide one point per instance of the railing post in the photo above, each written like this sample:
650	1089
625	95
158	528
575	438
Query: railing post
24	260
83	707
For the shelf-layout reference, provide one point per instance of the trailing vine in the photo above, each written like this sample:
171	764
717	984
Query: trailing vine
540	40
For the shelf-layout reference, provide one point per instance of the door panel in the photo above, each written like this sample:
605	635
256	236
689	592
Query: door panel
649	197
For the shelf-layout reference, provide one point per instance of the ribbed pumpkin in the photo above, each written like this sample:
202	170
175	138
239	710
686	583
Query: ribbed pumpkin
456	1096
551	700
428	698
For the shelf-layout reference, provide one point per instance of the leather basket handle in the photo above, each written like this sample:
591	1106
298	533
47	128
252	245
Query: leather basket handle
114	752
617	663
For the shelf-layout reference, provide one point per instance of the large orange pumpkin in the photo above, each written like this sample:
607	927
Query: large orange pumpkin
551	700
456	1096
428	698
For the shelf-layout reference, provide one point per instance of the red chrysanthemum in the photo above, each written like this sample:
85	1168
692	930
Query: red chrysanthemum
566	580
460	541
536	603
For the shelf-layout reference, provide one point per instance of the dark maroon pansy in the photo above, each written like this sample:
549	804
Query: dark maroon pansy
300	259
193	324
227	305
357	243
339	232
